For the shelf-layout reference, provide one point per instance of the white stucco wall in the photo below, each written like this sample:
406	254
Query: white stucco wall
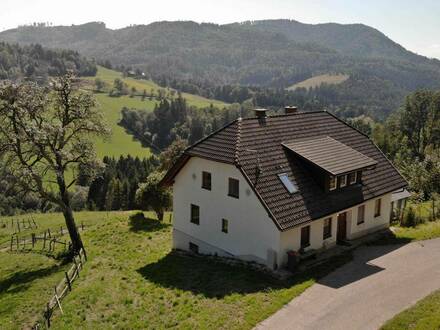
371	223
291	239
252	234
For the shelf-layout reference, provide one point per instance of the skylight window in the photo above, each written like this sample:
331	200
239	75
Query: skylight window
290	186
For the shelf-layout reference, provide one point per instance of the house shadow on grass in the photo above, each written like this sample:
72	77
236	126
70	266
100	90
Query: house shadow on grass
138	222
202	275
215	279
21	280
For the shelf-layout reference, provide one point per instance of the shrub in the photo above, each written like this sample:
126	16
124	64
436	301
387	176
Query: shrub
410	218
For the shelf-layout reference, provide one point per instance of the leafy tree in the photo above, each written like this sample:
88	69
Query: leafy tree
151	195
420	121
46	132
172	153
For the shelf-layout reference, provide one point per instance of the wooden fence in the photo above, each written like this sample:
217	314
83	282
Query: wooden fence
49	238
19	224
62	289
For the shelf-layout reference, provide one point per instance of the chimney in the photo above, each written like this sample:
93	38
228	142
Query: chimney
290	109
260	113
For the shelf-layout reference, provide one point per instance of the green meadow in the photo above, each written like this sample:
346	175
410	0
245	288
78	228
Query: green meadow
121	143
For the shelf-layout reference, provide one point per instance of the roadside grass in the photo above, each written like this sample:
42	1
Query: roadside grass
133	280
424	315
316	81
402	235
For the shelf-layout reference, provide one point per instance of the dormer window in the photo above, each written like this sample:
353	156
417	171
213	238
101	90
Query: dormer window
332	185
342	181
352	178
288	184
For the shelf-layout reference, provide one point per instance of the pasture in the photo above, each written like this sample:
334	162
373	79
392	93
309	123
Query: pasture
316	81
133	280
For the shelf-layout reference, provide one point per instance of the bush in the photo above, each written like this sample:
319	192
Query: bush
410	219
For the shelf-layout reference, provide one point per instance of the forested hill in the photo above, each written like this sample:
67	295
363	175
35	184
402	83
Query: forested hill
37	63
276	53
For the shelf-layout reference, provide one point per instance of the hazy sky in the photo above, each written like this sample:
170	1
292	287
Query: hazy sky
413	24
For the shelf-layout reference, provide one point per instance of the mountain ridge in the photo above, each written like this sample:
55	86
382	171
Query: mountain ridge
265	53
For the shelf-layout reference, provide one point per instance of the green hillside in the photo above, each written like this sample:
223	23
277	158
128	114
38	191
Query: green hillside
316	81
120	142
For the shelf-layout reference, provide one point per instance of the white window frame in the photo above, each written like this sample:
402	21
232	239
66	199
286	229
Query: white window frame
345	181
335	180
355	178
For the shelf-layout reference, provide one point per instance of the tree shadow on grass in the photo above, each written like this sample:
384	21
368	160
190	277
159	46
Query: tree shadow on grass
213	279
138	222
21	280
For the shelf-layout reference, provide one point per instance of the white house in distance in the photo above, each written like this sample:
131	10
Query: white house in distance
262	186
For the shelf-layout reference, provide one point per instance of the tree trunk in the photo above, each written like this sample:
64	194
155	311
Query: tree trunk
75	237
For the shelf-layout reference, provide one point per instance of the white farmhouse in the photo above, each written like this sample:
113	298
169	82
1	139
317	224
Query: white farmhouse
262	186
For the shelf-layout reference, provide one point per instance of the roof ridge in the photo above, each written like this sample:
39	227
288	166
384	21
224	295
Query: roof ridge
286	114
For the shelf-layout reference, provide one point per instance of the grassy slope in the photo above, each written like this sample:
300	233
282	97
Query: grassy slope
133	281
425	315
316	81
122	143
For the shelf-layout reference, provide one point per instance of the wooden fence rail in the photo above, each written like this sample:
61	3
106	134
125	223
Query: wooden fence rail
49	238
62	289
19	224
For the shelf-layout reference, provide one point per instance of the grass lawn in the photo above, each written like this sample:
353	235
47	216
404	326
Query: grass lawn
133	281
423	231
425	315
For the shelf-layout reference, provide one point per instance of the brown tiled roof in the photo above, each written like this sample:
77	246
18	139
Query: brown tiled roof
330	155
255	146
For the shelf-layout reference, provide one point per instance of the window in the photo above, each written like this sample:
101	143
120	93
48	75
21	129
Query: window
206	180
290	186
195	214
342	181
193	247
361	214
332	185
327	228
352	178
305	237
225	224
377	207
233	190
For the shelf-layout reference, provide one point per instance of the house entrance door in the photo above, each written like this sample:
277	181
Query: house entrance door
342	227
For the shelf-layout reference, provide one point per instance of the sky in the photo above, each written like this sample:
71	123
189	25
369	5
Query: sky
413	24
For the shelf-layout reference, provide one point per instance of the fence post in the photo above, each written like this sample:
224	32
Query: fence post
48	232
48	315
18	225
69	285
61	230
44	240
33	240
82	226
12	241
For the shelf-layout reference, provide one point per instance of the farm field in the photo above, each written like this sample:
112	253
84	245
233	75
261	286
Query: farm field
316	81
132	280
121	143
